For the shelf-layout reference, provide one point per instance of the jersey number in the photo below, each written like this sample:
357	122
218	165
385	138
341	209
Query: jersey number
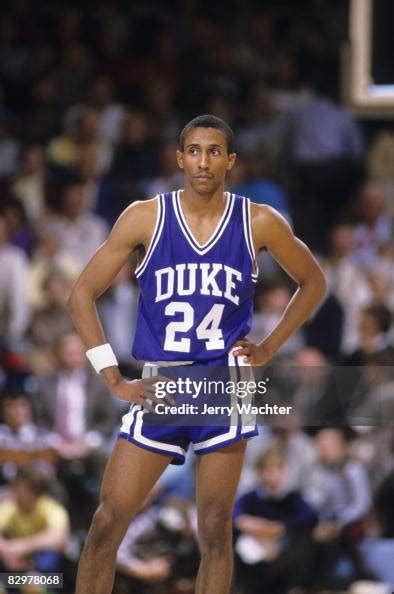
208	330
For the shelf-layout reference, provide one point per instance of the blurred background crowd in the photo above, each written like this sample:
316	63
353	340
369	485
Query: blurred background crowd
92	99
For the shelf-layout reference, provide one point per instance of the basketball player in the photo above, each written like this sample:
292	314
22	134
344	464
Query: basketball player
197	275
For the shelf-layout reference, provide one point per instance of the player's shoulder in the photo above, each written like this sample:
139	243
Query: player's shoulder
141	208
140	213
136	222
268	226
263	214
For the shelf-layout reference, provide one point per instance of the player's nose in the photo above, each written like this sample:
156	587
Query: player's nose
204	162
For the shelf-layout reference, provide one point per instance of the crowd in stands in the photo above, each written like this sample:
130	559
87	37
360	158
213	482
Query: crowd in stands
91	104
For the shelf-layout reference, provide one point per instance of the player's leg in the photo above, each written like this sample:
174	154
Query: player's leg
130	474
217	480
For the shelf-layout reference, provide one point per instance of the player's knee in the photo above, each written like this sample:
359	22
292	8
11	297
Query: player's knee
108	524
215	530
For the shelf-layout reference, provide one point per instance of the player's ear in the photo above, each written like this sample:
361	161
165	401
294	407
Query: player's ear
231	160
179	158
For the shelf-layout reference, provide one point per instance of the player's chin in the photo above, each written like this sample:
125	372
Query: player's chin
204	186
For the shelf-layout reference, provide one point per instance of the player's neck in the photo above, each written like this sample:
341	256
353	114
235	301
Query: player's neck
200	204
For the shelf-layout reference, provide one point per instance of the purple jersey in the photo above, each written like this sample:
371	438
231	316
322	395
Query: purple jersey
195	300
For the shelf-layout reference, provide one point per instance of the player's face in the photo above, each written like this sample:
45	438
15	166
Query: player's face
205	159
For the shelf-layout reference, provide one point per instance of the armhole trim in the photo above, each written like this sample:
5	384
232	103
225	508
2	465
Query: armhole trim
155	236
249	238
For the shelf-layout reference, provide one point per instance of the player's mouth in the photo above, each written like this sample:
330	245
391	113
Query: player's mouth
203	176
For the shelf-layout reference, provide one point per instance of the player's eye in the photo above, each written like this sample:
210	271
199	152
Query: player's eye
193	151
215	152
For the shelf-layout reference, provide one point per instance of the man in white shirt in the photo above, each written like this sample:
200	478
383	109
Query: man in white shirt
14	308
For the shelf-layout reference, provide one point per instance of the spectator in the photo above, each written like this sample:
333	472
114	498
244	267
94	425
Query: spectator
269	128
170	177
136	147
34	528
381	286
48	256
273	525
376	402
375	227
14	308
29	184
80	231
255	173
374	339
102	97
341	492
159	100
384	506
381	157
50	322
81	129
312	395
159	547
287	436
346	281
73	402
374	327
324	329
374	447
53	320
270	303
42	120
75	68
326	148
9	146
22	442
86	168
20	233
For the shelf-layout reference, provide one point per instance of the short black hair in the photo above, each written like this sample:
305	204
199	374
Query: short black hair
208	121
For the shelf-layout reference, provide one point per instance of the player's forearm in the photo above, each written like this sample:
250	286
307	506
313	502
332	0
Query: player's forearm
304	301
83	312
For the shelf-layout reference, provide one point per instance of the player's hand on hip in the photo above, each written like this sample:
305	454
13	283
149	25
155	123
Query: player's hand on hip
252	354
143	391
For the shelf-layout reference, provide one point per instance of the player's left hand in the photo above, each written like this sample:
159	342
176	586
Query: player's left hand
253	354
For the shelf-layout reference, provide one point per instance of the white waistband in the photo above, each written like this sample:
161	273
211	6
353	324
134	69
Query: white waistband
167	363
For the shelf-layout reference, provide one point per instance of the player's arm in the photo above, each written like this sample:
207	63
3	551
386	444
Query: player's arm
134	227
272	232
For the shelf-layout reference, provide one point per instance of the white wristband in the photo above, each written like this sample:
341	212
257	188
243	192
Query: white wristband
101	357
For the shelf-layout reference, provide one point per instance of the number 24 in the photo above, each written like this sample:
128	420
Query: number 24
207	330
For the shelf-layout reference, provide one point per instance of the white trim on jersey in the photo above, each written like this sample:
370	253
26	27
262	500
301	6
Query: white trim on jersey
248	236
136	432
221	226
151	442
128	420
155	236
233	363
217	439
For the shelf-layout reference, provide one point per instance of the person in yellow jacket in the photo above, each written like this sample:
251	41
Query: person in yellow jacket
34	528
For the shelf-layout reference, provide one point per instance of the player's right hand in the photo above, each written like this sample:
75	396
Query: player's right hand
142	391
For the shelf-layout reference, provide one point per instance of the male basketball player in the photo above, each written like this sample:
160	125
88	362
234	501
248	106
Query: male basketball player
197	275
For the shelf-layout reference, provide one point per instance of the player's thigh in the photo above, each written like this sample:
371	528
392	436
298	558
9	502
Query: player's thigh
217	478
130	474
